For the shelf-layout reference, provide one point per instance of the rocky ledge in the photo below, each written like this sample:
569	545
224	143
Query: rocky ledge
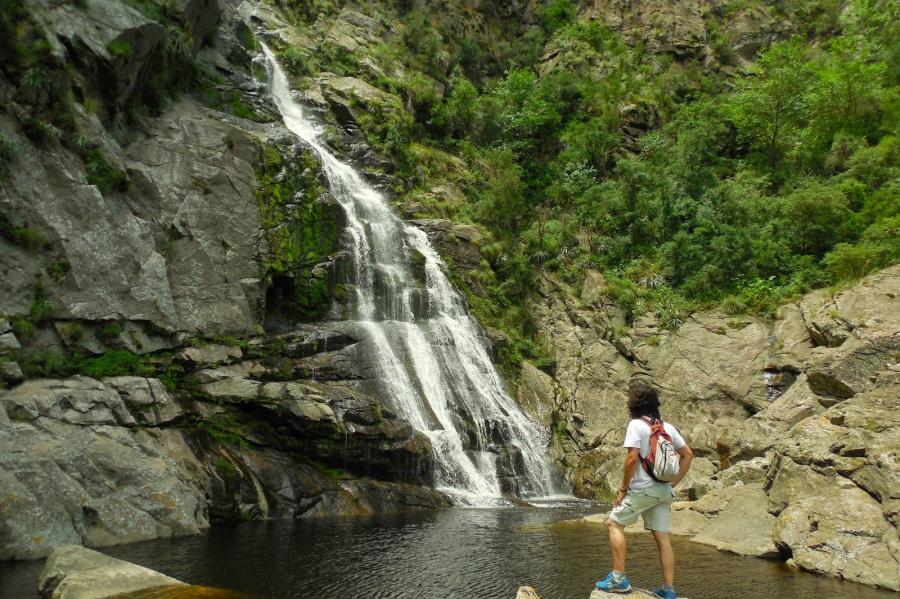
246	435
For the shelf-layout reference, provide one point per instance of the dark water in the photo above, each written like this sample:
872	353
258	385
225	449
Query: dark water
457	553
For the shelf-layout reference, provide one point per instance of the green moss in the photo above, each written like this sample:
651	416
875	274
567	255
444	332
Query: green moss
223	427
41	309
58	365
301	229
226	470
331	472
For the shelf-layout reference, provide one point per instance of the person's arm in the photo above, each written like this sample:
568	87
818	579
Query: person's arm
687	456
631	463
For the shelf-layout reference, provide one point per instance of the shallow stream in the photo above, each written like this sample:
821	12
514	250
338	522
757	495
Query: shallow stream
455	553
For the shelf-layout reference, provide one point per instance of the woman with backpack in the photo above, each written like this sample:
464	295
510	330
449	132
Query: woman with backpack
657	460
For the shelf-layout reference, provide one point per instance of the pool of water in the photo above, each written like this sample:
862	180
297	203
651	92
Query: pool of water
455	553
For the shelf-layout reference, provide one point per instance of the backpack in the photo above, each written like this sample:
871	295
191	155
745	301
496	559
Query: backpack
663	462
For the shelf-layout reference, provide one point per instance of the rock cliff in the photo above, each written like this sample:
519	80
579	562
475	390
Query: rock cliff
793	420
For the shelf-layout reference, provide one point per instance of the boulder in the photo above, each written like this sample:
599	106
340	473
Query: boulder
840	531
8	341
209	355
527	593
196	181
744	525
834	490
237	389
461	242
147	399
78	400
104	37
74	572
10	372
353	31
199	18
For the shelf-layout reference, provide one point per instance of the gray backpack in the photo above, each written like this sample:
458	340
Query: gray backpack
663	462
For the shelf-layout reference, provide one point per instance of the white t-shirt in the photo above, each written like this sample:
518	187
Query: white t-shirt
638	435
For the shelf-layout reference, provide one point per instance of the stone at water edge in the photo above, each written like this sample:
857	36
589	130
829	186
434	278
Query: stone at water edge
74	572
634	594
530	593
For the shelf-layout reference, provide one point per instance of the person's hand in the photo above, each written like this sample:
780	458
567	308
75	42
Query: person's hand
619	497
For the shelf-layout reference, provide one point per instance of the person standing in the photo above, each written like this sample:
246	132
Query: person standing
641	495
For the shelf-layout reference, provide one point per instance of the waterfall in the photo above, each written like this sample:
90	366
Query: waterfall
431	360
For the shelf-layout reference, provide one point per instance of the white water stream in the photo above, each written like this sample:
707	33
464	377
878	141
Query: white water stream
431	360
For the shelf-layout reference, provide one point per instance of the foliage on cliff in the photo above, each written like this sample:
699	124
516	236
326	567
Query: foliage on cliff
685	185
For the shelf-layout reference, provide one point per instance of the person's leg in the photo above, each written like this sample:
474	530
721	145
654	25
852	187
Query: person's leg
666	557
656	520
618	545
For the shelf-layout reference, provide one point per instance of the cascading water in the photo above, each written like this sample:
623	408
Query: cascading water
431	361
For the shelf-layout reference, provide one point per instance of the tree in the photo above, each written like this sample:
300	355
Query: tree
769	104
815	218
500	200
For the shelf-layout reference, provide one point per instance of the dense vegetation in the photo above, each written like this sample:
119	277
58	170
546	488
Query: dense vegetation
686	186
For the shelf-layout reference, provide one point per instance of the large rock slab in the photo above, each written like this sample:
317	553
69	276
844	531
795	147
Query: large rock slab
196	176
74	572
743	526
95	485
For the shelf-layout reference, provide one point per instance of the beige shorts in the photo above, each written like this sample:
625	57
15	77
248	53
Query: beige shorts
654	510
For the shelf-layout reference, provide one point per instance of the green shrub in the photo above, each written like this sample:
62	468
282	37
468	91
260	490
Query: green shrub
40	131
297	62
72	332
9	151
41	309
110	332
102	174
35	79
57	269
23	327
25	237
119	48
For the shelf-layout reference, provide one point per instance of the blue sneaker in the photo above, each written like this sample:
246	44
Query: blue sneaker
614	584
664	594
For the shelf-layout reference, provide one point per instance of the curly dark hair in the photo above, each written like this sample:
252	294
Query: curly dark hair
642	400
